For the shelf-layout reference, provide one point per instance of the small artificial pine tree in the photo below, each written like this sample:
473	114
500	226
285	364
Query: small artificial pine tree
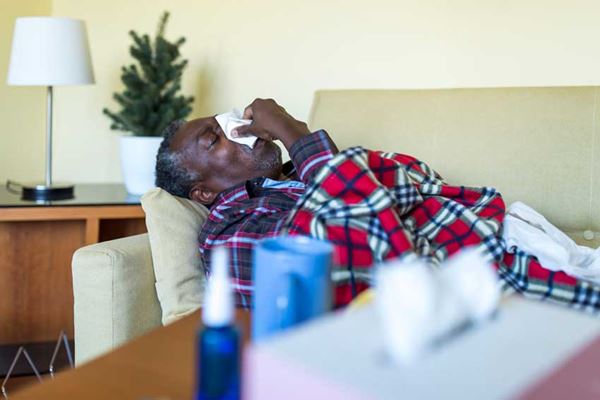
150	100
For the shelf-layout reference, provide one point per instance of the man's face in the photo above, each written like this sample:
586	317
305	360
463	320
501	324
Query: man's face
220	162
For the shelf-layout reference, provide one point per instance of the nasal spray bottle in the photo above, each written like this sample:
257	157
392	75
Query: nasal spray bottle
219	340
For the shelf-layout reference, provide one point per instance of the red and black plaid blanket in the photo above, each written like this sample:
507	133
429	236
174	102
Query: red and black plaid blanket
373	206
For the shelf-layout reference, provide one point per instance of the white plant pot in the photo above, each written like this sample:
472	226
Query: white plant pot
138	159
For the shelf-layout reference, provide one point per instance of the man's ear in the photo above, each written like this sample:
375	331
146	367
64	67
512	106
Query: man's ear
200	194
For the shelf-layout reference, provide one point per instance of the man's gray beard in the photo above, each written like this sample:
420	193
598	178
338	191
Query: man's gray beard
270	163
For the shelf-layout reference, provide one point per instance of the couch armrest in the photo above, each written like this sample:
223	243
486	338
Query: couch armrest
114	295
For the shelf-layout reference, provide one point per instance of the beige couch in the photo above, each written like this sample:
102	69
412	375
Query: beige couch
537	145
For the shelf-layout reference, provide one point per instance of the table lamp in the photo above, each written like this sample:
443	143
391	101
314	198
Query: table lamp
49	51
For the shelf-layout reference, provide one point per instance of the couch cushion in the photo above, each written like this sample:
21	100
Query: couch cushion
540	146
173	225
113	293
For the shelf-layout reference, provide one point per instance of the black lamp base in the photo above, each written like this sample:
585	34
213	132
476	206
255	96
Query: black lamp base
41	192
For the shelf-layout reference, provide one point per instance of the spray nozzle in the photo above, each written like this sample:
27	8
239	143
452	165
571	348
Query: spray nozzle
218	300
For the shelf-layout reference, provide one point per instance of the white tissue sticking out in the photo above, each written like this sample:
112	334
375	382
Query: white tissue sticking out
420	306
405	301
231	120
473	281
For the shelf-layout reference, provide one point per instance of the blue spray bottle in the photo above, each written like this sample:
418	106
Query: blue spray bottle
219	340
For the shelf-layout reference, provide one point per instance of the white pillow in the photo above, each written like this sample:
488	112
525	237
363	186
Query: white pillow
173	225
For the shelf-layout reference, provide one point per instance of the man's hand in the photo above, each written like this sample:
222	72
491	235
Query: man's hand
270	121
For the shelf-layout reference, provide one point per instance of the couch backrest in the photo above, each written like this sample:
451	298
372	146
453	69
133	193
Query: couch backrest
537	145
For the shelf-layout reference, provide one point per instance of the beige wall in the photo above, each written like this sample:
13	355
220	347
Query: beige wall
286	49
21	132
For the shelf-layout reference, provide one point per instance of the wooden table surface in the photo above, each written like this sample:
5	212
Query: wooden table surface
158	365
37	242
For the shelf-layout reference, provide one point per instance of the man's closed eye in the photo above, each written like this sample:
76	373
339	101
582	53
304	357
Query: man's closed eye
214	138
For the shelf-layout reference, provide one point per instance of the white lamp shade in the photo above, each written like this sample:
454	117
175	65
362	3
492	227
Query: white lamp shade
50	51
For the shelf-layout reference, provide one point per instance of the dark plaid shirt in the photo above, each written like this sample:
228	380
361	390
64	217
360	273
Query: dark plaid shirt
258	208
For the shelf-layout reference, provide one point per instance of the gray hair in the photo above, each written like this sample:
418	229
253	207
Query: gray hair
171	175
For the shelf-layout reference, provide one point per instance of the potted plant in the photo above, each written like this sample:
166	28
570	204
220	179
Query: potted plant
149	102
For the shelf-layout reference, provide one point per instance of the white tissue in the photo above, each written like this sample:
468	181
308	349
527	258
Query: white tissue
406	321
529	231
420	306
231	120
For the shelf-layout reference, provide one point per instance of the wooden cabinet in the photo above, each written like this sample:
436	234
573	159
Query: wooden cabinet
37	242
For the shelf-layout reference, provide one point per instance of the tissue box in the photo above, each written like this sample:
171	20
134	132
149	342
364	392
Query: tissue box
341	357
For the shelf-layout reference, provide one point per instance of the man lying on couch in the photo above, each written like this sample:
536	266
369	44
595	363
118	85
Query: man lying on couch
371	205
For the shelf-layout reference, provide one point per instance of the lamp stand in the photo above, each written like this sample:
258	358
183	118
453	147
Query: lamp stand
48	190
